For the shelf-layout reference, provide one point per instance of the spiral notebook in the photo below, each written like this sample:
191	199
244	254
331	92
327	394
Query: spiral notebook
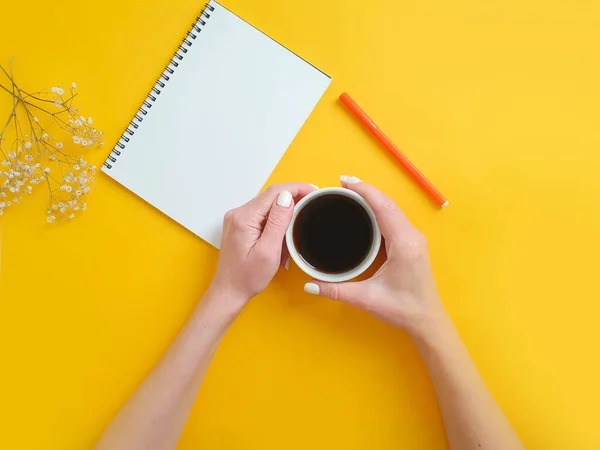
217	122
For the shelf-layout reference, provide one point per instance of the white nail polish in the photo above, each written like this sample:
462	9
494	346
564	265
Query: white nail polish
313	185
285	199
349	180
286	266
312	288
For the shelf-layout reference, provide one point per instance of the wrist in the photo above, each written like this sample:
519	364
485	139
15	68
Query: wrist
435	325
225	298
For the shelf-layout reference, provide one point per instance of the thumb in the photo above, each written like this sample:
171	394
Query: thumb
353	293
278	220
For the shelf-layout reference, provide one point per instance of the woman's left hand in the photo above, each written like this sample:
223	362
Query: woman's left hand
252	246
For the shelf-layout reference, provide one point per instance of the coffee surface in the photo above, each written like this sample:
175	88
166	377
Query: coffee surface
333	233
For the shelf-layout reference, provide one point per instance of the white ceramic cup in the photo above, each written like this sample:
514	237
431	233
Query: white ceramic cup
334	277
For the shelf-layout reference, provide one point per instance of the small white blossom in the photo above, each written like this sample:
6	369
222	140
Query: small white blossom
58	90
51	219
62	210
35	119
12	155
78	123
28	158
89	120
71	216
27	145
84	143
46	170
73	85
59	145
28	189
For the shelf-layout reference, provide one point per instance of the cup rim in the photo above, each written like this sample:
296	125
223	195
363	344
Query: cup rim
334	277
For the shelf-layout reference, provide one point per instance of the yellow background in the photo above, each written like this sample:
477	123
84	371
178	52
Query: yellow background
496	101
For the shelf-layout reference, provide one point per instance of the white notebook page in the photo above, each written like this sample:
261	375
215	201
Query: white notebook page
220	126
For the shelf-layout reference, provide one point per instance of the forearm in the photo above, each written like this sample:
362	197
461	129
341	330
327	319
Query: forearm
155	415
472	418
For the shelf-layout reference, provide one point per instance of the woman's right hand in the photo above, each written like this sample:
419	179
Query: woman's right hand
403	291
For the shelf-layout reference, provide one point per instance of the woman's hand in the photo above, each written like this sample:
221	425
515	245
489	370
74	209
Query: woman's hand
252	247
403	291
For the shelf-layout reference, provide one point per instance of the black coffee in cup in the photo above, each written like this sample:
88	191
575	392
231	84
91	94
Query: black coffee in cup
333	233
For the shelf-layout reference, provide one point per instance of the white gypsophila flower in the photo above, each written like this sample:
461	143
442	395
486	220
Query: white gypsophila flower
12	155
6	163
59	145
84	143
76	139
51	219
62	210
52	157
28	158
27	145
61	204
45	135
71	216
78	193
73	85
89	121
46	170
35	119
76	167
58	104
29	189
58	90
78	123
54	207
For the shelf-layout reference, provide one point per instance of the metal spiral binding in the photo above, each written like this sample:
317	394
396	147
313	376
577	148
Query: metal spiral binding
161	83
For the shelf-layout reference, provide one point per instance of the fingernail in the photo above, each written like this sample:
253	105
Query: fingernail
313	185
312	288
285	199
349	180
286	266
